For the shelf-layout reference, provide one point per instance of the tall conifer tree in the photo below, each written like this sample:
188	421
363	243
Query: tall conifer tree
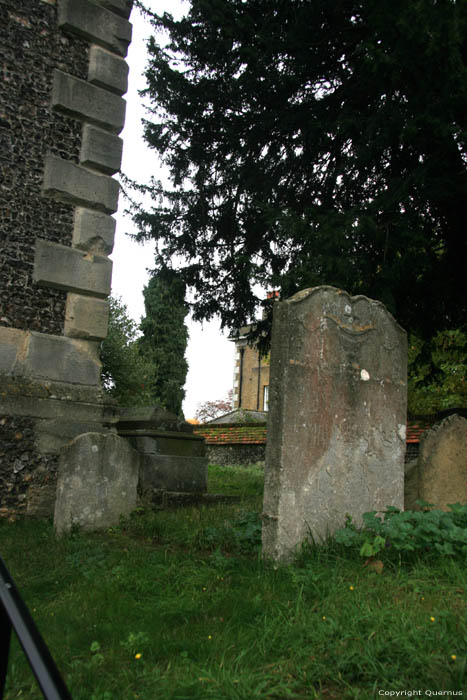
313	142
164	338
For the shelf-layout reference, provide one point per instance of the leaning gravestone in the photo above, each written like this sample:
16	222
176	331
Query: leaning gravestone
442	463
97	482
337	419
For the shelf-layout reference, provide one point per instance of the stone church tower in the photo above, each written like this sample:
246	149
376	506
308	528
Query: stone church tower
61	110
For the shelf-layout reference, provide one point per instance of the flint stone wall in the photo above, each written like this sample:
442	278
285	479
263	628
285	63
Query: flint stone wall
29	129
61	109
337	416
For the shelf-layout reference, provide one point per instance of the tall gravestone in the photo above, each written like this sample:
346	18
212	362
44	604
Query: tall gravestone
61	110
337	419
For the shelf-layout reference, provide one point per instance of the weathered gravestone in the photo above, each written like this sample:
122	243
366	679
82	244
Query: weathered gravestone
440	474
336	430
97	482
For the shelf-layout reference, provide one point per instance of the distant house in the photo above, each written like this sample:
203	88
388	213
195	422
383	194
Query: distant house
251	374
251	371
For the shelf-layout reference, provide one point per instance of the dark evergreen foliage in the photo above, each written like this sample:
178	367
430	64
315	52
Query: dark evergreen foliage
165	337
313	142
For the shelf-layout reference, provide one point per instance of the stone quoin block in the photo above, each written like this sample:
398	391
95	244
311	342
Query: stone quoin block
101	150
71	269
93	231
121	7
13	345
78	98
96	24
61	359
107	70
76	185
337	418
86	317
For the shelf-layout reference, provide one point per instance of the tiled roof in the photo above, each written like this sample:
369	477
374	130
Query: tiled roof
256	434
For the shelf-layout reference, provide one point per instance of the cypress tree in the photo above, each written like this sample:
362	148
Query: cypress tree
164	338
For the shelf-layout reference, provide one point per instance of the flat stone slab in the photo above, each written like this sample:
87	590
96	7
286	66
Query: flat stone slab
337	419
97	482
141	420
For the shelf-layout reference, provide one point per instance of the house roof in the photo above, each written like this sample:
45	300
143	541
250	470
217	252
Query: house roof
256	433
239	415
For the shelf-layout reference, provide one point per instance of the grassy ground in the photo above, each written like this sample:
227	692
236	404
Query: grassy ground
178	604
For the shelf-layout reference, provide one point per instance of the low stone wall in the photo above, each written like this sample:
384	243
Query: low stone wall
234	443
227	455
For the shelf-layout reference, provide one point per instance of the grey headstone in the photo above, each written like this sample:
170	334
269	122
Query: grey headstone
97	482
337	420
442	463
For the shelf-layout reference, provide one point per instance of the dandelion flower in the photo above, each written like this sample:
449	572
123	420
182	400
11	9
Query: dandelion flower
209	636
324	617
432	619
351	588
453	657
138	656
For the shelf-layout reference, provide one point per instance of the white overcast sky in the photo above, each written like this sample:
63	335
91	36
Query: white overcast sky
209	353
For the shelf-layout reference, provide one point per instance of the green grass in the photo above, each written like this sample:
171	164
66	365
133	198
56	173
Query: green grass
188	591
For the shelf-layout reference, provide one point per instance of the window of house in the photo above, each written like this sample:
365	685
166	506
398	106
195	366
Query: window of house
265	398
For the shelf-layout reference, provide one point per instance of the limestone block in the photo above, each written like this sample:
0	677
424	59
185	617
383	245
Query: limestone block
93	231
67	182
336	427
79	99
86	317
97	482
96	24
172	473
60	359
107	70
121	7
46	400
68	268
13	347
101	150
442	463
52	435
